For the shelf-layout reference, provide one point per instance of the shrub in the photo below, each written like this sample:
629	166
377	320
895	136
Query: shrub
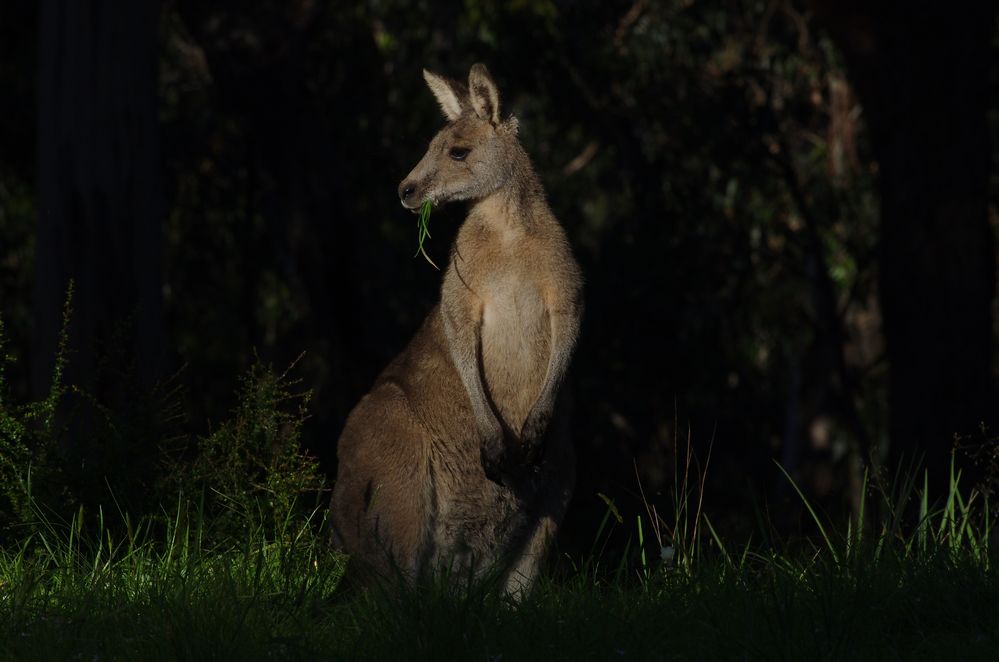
251	471
29	441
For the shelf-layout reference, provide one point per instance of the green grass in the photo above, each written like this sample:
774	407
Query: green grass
160	592
254	605
423	231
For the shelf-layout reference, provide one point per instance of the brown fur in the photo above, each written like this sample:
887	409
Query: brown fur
454	458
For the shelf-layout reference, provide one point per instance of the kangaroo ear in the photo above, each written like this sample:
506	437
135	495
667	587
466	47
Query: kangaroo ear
483	94
449	94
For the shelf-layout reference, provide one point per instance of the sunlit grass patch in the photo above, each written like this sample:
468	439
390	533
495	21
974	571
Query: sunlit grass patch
909	577
162	594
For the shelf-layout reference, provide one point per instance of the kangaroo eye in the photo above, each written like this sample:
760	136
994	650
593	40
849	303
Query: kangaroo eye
459	153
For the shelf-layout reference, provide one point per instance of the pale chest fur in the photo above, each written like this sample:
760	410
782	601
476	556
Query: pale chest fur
509	281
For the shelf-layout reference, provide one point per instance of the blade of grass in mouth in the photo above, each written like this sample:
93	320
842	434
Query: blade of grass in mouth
423	231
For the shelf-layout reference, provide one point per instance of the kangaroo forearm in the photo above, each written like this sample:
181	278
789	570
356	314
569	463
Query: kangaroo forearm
485	419
464	344
564	330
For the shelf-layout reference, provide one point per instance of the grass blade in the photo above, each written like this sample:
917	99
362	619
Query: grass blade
423	231
811	511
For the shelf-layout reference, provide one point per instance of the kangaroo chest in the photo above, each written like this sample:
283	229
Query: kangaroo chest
516	339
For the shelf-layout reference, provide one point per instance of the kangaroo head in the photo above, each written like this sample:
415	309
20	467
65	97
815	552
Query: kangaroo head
473	155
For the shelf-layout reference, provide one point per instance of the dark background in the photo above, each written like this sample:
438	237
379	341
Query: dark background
784	210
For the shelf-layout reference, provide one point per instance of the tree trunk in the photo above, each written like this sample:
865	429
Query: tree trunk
922	73
100	201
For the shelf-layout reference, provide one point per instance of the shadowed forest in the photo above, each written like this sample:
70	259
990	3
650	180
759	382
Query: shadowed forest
784	212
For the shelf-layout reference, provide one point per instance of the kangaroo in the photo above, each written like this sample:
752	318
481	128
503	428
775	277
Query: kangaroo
459	457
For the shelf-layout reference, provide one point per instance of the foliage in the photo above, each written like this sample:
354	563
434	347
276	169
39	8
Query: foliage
249	472
29	439
251	468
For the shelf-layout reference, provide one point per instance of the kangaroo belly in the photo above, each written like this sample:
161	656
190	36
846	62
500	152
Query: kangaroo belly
516	340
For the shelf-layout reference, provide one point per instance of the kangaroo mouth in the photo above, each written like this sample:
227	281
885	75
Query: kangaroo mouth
415	208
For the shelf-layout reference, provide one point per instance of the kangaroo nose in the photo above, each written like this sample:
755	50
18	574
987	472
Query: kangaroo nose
405	190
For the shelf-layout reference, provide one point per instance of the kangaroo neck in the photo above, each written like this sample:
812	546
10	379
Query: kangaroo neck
518	205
